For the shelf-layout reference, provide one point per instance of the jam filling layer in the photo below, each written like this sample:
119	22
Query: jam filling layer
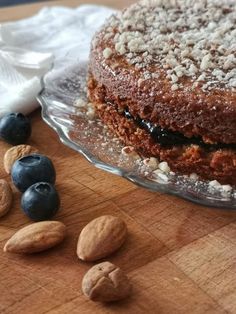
168	138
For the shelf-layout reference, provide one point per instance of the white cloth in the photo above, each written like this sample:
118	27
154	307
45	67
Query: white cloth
30	47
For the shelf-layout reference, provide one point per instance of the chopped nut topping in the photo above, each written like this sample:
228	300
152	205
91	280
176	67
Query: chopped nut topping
163	166
214	184
151	162
130	151
107	52
192	38
193	176
90	111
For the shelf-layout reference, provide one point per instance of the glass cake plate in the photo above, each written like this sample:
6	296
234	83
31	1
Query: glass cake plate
65	109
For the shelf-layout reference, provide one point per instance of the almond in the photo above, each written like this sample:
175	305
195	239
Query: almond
101	237
106	282
6	197
14	153
36	237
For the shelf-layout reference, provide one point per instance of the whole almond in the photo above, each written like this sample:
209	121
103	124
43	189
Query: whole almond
106	282
14	153
36	237
6	197
101	237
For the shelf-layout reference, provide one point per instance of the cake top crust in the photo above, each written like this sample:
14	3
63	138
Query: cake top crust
183	38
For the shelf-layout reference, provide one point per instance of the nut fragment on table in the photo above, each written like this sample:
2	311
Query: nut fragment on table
15	153
101	237
36	237
106	282
6	197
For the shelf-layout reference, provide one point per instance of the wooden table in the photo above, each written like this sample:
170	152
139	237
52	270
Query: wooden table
179	256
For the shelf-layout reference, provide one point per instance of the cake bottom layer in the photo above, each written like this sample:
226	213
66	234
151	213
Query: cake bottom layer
217	164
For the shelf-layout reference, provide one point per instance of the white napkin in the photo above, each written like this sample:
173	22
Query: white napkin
30	47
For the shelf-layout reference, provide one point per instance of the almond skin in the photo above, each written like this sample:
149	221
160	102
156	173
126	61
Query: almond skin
6	197
101	237
106	282
15	153
36	237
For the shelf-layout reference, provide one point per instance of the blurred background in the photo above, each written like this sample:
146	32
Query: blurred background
4	3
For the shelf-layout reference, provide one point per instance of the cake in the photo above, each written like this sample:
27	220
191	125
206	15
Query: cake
162	77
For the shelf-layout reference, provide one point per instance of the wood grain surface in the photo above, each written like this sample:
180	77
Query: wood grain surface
180	257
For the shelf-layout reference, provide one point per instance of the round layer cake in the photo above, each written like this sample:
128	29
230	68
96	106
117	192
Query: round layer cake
162	76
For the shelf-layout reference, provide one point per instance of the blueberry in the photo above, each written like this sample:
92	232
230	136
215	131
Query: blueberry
15	128
40	201
32	169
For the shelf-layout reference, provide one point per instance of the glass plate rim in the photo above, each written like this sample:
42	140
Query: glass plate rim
141	182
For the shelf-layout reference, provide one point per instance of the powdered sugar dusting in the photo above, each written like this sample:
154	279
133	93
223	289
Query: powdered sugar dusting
151	168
